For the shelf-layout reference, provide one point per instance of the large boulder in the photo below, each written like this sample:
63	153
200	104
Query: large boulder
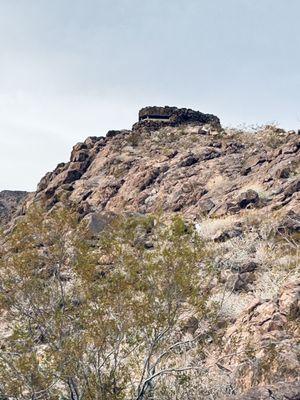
250	197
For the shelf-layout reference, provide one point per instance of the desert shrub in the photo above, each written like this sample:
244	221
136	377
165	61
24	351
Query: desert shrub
271	280
133	139
274	139
207	228
97	320
195	385
229	304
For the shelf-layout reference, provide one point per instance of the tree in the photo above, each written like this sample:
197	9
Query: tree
100	319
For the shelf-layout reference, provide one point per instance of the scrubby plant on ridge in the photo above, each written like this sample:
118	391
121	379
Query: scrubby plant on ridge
97	321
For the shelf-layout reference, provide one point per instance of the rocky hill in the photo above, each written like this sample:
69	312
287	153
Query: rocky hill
186	163
240	189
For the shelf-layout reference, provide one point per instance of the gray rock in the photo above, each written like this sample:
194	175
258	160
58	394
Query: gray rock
292	188
205	206
98	221
228	234
10	200
113	133
238	282
189	160
250	197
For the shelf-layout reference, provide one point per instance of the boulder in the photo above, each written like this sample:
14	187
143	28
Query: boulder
205	206
239	281
250	197
282	172
289	300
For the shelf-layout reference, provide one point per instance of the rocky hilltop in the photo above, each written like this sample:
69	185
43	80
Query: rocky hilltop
179	160
240	189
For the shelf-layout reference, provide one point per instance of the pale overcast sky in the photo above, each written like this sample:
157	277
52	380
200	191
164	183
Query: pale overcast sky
74	68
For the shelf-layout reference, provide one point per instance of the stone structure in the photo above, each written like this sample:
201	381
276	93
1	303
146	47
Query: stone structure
155	117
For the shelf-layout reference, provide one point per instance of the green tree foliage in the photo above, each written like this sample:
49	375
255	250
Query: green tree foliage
86	319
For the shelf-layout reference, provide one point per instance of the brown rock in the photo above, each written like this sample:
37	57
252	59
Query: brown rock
289	301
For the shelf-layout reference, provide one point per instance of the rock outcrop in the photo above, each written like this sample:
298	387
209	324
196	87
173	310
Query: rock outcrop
195	168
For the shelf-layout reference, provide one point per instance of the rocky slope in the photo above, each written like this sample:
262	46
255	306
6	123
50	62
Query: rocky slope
193	166
241	190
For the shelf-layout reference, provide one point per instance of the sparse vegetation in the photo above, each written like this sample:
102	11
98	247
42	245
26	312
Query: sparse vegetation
110	302
98	322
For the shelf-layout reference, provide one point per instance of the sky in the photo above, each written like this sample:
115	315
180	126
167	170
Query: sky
70	69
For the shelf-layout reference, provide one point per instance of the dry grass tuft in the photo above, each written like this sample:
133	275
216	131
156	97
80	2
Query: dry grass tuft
209	227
